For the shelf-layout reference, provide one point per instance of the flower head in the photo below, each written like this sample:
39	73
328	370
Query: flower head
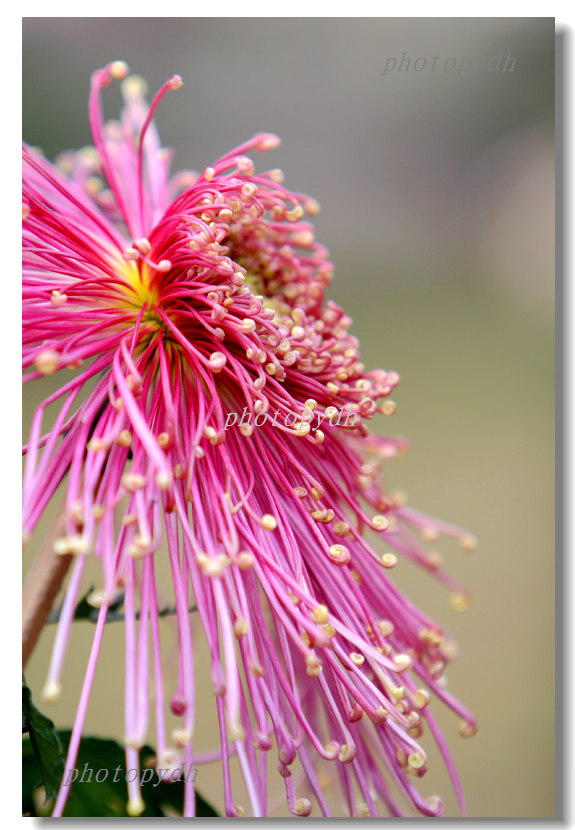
178	303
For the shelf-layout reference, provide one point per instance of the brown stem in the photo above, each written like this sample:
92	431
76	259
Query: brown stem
42	584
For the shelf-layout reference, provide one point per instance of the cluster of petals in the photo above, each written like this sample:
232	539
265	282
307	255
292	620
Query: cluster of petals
175	300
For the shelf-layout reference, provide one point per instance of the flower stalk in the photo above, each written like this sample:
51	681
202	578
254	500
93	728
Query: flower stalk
41	587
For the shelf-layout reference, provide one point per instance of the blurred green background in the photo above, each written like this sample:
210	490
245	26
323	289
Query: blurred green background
437	194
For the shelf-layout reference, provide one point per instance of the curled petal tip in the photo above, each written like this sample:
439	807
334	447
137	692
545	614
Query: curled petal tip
118	69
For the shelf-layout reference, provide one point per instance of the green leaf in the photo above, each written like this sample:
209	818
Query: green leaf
85	611
44	743
31	778
108	797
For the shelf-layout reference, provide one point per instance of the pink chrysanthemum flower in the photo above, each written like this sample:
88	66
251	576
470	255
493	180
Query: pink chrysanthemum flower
178	301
